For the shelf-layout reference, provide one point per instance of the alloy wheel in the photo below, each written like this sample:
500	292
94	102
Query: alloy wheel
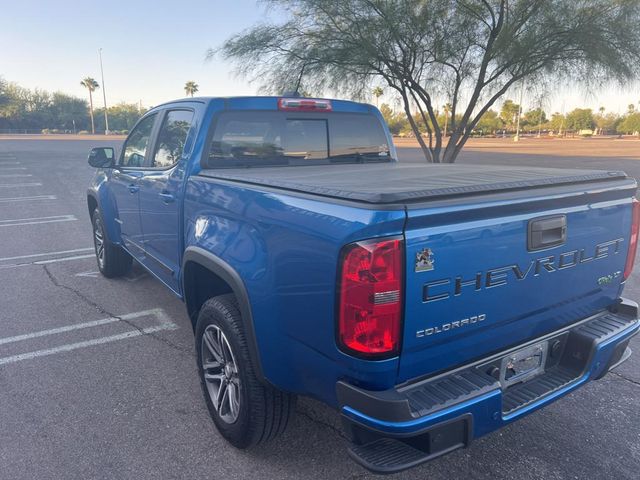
98	240
220	372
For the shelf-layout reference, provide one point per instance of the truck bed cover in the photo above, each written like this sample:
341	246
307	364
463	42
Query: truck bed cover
384	183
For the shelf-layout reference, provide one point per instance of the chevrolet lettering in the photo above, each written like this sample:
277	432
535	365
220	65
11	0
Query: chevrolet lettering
500	276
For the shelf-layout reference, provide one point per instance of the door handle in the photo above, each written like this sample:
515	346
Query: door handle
133	188
167	197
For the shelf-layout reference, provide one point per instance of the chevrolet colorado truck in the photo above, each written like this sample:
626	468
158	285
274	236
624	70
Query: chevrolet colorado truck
429	304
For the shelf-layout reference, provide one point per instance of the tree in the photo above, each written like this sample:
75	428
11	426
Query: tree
490	122
470	51
122	116
580	119
67	112
509	113
558	122
630	124
606	123
91	85
534	118
396	122
190	88
4	95
377	92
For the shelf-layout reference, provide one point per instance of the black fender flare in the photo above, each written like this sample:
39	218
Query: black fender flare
227	273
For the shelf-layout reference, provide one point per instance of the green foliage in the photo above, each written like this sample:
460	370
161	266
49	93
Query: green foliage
607	123
122	117
534	118
558	122
90	84
630	124
489	123
39	110
470	51
580	119
4	95
190	88
509	113
396	122
377	93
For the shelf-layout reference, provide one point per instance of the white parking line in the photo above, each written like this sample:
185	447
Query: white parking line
48	254
13	168
16	175
27	199
37	220
165	323
46	262
64	259
13	185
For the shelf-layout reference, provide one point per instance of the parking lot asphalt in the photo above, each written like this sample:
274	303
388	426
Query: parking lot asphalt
98	377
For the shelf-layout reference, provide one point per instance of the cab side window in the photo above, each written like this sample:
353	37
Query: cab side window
136	147
172	137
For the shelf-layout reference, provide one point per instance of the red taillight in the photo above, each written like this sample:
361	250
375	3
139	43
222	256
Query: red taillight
633	242
304	105
370	302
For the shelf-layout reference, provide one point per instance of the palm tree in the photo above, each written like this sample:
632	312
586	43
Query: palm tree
190	87
447	110
378	92
90	84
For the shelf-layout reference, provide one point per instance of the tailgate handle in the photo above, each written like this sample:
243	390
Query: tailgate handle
547	232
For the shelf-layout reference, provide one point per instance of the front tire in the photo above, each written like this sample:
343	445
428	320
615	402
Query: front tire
245	411
112	260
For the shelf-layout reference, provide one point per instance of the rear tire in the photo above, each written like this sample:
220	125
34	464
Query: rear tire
112	260
253	412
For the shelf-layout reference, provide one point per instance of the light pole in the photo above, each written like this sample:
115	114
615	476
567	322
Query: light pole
540	118
517	137
104	95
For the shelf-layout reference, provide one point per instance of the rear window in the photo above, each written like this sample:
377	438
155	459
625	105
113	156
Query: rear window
260	139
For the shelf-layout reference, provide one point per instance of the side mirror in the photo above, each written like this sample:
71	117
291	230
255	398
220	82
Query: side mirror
102	157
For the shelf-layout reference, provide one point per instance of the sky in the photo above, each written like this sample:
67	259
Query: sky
151	48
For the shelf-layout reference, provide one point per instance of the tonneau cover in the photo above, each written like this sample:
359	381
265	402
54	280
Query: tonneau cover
397	182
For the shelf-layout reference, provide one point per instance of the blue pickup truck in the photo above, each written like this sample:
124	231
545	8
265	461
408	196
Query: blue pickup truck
429	304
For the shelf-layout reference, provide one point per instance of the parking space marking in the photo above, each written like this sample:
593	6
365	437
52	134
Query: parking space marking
13	185
89	274
48	254
37	220
13	168
131	277
16	175
165	323
64	259
45	261
27	199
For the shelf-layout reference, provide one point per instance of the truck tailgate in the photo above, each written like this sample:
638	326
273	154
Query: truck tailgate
488	272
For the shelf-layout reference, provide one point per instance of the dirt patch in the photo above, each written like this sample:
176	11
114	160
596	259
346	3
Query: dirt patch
627	147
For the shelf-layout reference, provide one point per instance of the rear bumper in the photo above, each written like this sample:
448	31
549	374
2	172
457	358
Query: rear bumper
399	428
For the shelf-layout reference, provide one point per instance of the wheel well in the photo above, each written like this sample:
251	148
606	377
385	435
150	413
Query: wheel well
93	204
201	284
